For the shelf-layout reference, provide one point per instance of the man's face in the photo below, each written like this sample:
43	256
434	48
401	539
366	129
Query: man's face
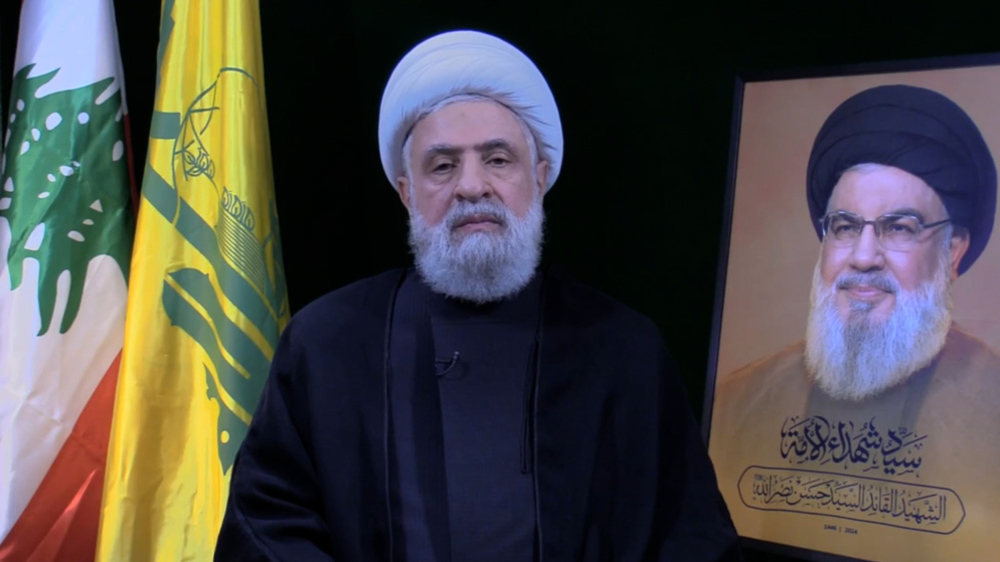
879	315
467	151
870	194
475	201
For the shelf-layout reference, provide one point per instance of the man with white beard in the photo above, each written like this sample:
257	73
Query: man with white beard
855	353
481	265
884	420
474	407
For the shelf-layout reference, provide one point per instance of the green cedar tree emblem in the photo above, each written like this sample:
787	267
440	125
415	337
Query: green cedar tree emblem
63	187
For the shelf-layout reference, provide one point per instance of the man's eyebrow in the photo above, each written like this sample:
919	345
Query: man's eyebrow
452	150
494	144
907	211
896	211
446	149
485	146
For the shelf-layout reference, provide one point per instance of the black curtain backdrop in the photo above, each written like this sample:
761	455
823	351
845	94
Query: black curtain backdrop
645	93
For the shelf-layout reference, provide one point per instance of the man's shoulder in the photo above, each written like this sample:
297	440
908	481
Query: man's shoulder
964	343
783	368
584	304
363	301
776	383
964	356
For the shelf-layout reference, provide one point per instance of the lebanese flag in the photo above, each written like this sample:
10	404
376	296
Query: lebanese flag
65	241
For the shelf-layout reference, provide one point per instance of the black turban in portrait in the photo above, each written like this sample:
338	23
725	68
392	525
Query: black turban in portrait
921	132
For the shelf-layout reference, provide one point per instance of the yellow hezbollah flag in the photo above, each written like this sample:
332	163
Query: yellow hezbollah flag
206	299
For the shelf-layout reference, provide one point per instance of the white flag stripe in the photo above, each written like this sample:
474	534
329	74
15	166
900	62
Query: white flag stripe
52	40
46	381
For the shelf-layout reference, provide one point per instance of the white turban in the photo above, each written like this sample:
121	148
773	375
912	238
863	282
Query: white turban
466	62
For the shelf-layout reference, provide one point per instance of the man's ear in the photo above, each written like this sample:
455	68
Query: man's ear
542	172
959	246
403	189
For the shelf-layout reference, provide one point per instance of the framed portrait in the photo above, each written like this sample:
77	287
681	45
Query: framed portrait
852	408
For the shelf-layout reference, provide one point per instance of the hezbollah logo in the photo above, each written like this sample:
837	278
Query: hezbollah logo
62	192
219	199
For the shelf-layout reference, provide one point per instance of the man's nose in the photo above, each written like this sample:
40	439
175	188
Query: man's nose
867	253
473	181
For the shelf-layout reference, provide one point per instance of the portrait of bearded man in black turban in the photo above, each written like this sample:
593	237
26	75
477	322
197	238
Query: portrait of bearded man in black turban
873	435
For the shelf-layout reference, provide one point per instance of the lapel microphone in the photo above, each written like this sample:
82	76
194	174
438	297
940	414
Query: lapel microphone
448	363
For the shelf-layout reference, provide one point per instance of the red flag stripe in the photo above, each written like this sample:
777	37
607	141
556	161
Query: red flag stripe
60	522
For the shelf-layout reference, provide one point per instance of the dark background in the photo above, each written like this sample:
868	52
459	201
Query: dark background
645	92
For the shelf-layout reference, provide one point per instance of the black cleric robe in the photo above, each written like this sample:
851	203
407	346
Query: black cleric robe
460	406
620	472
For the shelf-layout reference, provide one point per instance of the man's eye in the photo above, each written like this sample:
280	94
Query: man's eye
442	168
498	161
902	228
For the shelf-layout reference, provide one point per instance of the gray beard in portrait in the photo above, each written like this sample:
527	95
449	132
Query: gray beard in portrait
861	357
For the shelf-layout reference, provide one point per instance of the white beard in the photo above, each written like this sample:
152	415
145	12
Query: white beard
481	266
860	357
